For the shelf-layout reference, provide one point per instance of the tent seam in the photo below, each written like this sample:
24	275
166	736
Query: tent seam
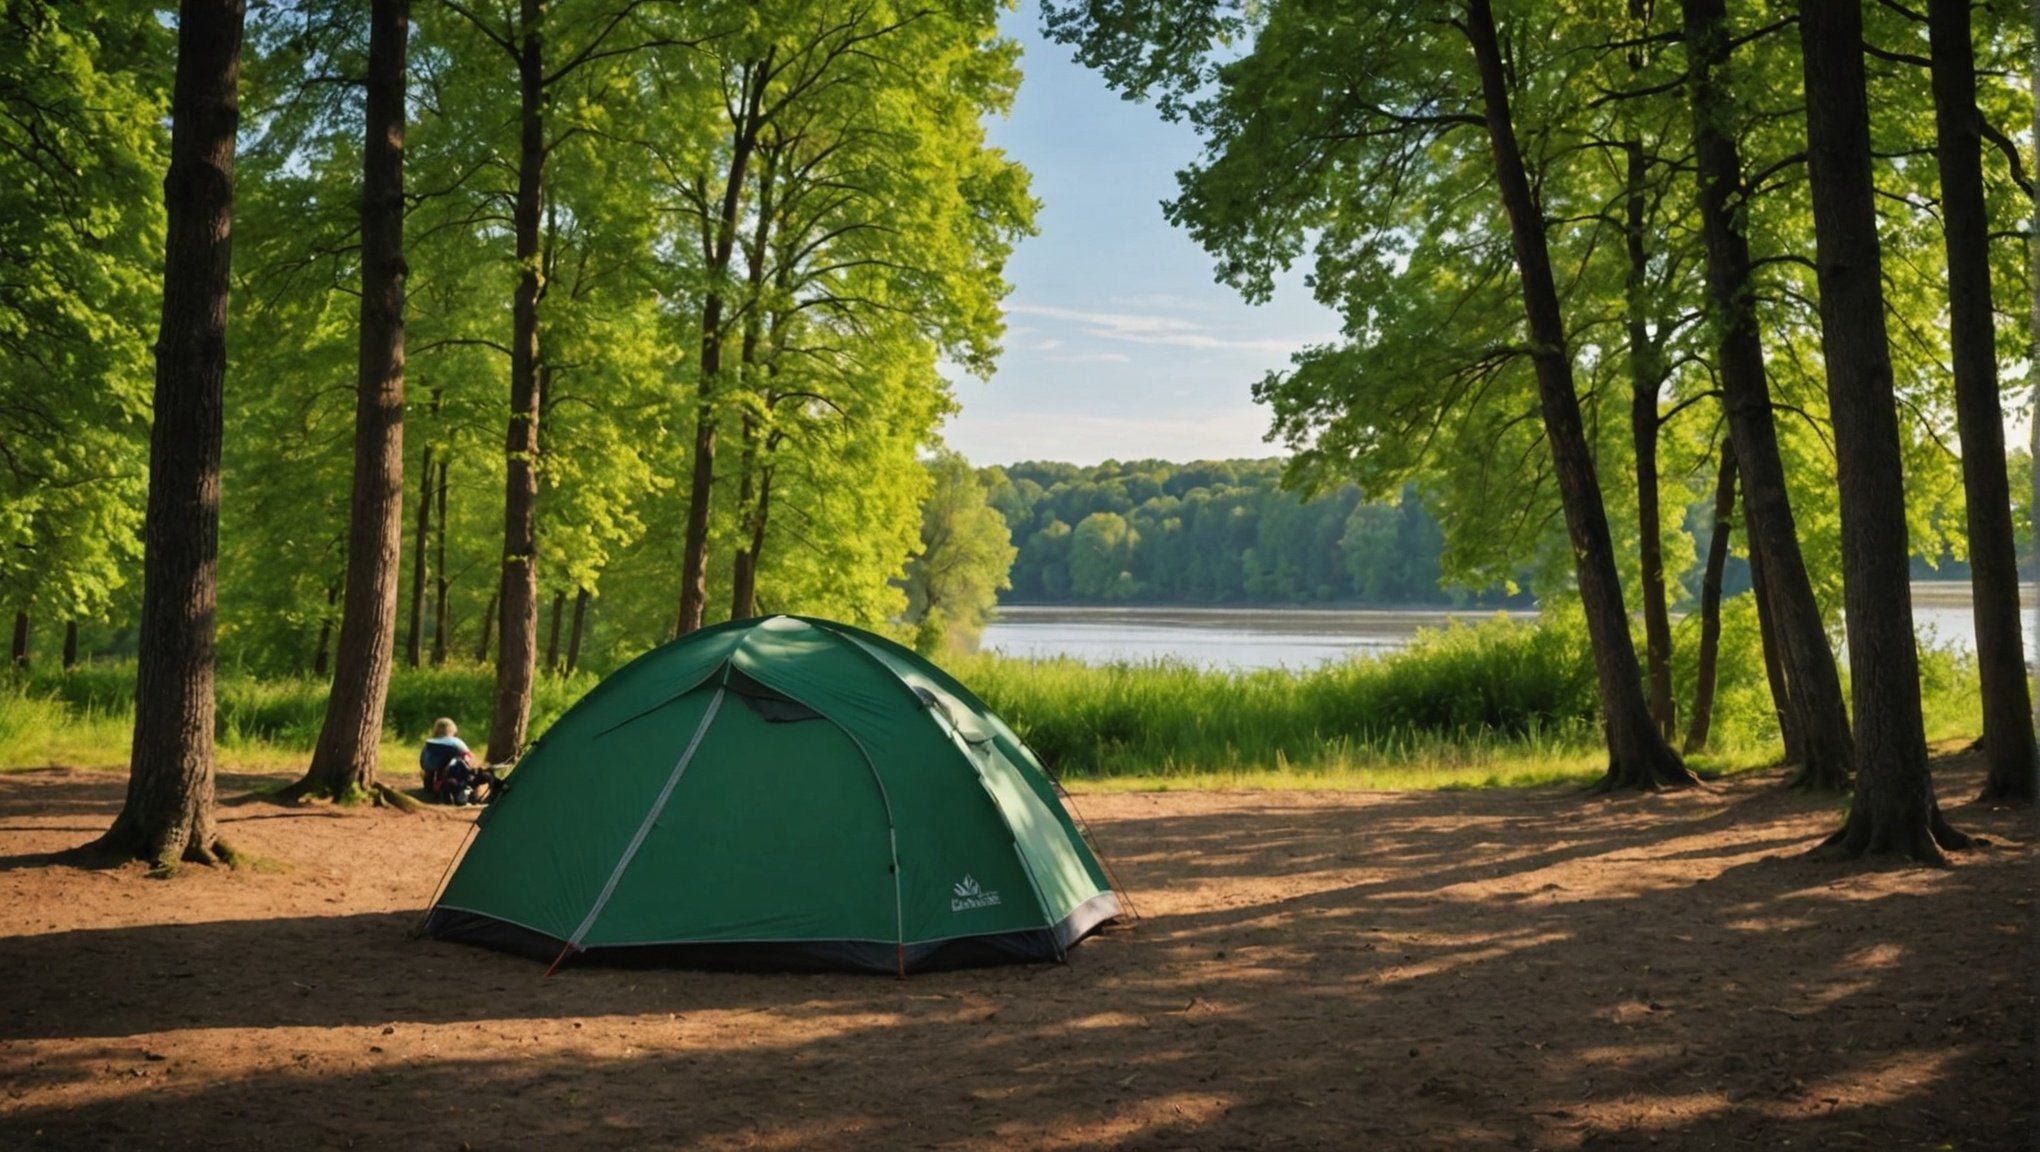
644	828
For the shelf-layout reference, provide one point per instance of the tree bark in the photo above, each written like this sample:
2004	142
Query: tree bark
488	625
552	646
168	811
344	760
751	553
1810	682
743	576
322	650
517	595
440	584
1710	602
718	250
1638	756
579	629
2008	745
1774	671
414	644
744	565
1646	377
20	652
70	644
1893	811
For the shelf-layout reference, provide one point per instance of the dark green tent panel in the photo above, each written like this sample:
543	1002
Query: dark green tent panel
779	793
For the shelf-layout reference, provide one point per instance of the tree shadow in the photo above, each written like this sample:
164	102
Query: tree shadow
1456	970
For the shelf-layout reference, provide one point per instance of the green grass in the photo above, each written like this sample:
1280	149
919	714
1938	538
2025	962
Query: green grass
1496	704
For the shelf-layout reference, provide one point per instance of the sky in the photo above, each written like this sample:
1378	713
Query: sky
1119	344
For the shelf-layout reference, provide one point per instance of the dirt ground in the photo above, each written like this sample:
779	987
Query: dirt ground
1463	970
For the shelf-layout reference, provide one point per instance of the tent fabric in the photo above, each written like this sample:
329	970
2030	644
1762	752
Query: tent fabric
781	793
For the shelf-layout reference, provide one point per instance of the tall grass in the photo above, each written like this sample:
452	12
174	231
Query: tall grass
1466	698
1499	702
83	717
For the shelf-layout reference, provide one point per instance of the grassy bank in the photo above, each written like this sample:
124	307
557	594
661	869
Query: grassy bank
1494	704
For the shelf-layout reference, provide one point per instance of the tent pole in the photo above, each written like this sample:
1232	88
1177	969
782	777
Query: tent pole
439	889
1091	839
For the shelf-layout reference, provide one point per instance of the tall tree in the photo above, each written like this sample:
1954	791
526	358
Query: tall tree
1893	811
168	812
719	234
1367	116
1702	717
1638	755
2008	743
544	58
1811	684
344	760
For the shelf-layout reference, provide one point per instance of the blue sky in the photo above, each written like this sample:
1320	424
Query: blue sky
1118	342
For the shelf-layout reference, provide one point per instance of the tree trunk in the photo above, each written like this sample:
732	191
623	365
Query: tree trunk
414	644
20	653
694	559
1811	683
70	644
1893	811
344	760
1710	602
322	652
517	596
1638	756
552	645
1646	376
168	812
743	573
761	518
488	624
1789	733
2008	745
744	567
579	628
440	584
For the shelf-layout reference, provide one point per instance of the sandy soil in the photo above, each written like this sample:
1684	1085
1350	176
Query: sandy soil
1446	970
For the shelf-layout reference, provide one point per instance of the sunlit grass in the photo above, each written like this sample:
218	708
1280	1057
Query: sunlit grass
1498	704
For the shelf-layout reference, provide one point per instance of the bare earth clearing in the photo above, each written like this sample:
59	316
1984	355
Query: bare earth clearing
1315	970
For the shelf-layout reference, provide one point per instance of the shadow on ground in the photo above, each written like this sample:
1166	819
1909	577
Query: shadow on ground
1435	970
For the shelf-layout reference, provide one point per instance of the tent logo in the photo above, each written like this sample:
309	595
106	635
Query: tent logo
969	895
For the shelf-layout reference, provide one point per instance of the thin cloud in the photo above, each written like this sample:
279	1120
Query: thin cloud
1154	329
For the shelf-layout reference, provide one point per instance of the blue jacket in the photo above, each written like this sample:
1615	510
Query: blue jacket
439	752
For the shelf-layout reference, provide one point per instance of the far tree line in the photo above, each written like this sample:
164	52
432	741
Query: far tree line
1231	532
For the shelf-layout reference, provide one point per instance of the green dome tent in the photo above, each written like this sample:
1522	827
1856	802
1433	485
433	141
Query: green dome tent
782	793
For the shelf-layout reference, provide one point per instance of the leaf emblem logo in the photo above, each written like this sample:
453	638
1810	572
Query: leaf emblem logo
967	894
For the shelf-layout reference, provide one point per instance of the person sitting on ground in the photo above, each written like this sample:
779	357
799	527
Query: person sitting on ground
451	774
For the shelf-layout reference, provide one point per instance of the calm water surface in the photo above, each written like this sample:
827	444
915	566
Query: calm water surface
1302	637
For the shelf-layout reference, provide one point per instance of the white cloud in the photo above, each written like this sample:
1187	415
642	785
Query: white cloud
1156	328
1089	358
1088	439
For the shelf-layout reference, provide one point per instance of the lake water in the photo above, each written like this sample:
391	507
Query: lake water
1302	637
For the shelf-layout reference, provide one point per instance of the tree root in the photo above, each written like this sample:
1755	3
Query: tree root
307	790
388	797
1646	774
1860	839
1814	776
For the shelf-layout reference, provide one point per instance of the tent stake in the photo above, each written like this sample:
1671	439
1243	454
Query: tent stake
557	961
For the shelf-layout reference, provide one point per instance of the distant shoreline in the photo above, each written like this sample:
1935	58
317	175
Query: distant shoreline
1951	593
